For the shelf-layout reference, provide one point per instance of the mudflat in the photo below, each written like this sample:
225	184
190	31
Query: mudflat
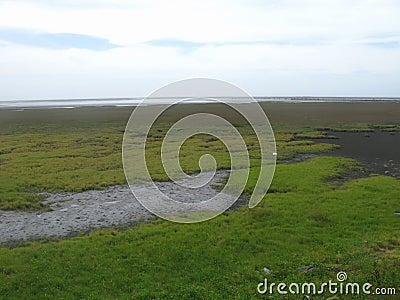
306	113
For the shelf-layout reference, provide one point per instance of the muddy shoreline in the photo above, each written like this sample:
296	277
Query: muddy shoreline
71	213
378	151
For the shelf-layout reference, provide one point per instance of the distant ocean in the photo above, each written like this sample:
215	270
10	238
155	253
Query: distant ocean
130	102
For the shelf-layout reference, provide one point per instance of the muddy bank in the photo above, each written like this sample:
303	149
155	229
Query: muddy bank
379	151
75	212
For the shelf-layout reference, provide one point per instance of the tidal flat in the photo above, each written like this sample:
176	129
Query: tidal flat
329	207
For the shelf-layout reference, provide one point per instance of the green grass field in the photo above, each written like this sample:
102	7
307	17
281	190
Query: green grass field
308	219
314	215
64	159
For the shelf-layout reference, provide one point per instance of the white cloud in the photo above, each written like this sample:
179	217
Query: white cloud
296	39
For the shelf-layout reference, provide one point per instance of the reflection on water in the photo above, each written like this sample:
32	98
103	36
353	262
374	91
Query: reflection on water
72	103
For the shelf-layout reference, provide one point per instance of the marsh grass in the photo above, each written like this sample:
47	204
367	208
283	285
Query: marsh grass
304	221
51	159
308	218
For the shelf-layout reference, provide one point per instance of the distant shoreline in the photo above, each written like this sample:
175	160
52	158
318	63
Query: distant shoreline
316	113
132	102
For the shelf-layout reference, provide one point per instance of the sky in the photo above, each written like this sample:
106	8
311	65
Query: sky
119	48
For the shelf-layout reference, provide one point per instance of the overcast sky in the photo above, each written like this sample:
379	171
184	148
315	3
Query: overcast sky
106	48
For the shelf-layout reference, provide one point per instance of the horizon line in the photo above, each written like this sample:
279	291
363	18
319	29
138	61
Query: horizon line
176	97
